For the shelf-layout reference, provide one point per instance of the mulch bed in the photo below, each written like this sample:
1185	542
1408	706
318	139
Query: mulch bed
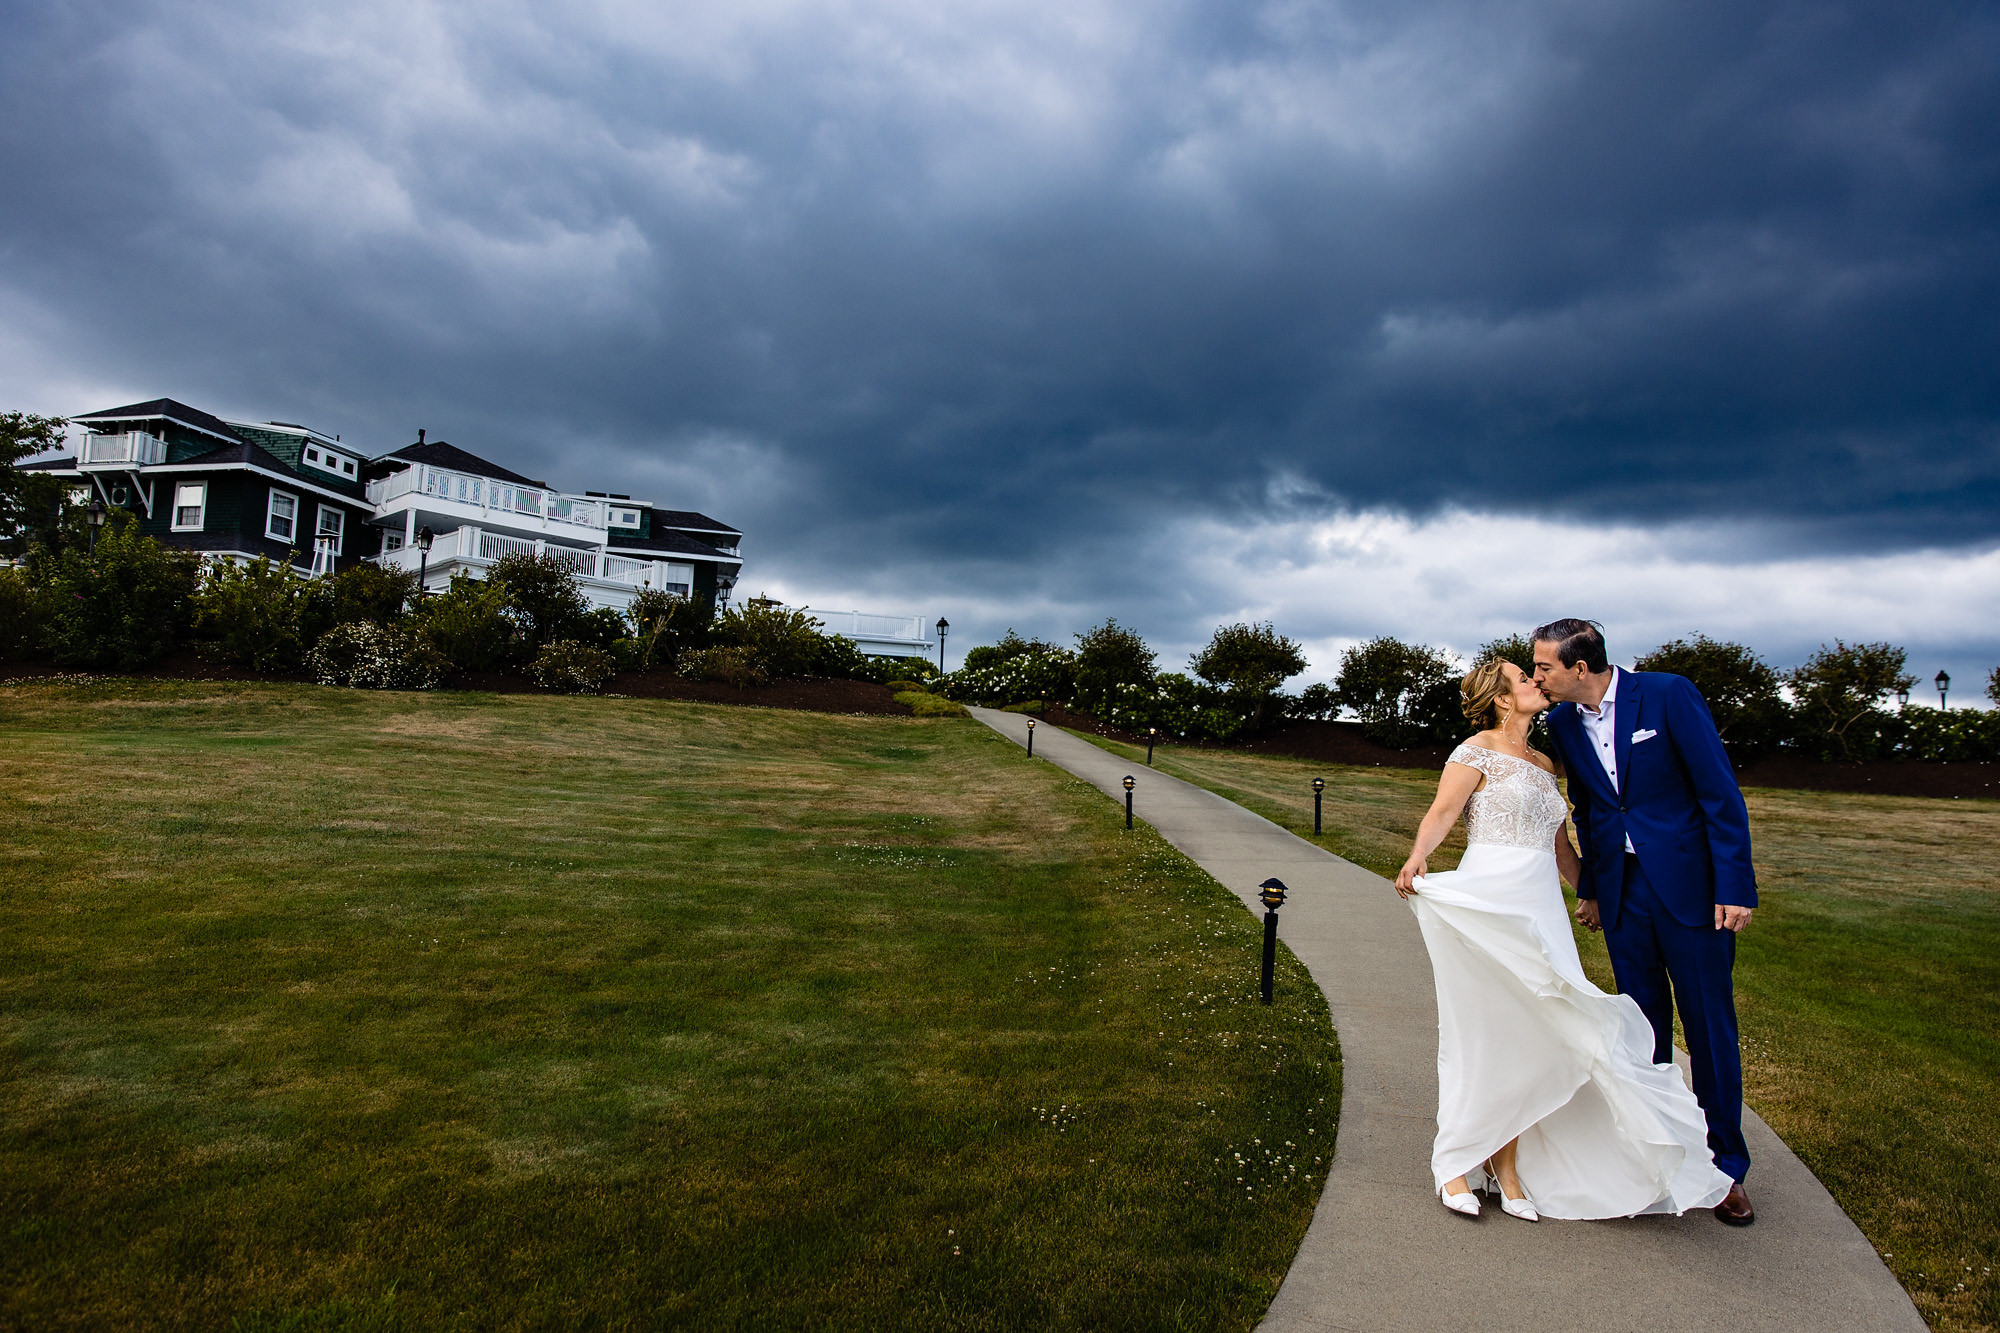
815	696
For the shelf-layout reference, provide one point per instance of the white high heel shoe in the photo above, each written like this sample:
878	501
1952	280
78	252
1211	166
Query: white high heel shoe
1467	1203
1520	1207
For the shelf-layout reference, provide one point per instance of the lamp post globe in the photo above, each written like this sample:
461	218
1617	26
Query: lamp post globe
1902	698
1943	682
96	515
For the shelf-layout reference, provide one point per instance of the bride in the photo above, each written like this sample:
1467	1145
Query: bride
1546	1085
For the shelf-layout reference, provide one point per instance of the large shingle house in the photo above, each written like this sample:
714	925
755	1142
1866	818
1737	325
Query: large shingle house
226	489
241	489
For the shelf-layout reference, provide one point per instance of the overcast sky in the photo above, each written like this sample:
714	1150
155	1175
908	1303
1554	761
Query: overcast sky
1433	319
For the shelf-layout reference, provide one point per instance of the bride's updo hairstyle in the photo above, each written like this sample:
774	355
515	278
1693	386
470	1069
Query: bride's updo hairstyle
1479	692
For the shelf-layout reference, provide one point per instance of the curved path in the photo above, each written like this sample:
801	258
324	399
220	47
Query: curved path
1381	1253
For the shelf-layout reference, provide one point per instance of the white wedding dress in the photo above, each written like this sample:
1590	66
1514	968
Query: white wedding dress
1528	1046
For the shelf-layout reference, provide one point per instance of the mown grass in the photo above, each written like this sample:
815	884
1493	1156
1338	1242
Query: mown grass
325	1009
1868	989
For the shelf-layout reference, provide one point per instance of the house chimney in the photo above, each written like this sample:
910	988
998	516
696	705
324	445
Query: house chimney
420	435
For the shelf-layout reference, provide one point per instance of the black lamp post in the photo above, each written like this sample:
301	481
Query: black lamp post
1902	698
1943	684
424	539
943	625
96	514
1152	734
1031	738
1319	790
1129	785
1272	891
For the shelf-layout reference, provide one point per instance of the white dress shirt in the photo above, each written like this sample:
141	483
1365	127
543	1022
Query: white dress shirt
1601	725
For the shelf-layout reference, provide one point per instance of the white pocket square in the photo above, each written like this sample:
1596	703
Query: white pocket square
1643	734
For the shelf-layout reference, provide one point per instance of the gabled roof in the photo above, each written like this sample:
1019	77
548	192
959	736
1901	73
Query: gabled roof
669	542
191	417
689	519
439	454
65	463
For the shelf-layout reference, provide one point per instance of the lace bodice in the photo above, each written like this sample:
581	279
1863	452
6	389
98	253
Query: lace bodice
1520	805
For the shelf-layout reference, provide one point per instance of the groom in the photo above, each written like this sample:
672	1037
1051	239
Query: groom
1666	861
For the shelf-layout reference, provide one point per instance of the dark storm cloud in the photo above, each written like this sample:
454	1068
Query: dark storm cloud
913	283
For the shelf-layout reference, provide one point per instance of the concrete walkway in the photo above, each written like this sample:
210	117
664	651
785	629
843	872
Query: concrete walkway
1382	1253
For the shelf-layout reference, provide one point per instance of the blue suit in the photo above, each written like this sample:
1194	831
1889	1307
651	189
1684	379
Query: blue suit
1678	803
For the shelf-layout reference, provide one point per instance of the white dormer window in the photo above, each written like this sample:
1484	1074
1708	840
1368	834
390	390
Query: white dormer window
327	460
624	518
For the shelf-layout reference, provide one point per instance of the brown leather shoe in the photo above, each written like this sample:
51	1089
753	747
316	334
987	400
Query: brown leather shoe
1735	1209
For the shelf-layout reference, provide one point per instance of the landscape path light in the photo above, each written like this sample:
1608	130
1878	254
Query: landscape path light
424	539
1272	891
1943	684
1319	789
1031	738
942	626
1152	734
95	514
1130	783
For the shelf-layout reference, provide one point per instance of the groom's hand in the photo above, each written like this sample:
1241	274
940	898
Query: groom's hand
1731	918
1586	912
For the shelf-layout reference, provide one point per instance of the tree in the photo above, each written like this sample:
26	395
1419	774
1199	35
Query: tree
257	614
1839	690
30	502
1251	662
665	625
1993	685
1740	689
1110	657
1515	648
1404	693
373	593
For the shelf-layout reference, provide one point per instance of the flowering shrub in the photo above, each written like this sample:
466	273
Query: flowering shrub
1043	673
569	667
367	656
925	704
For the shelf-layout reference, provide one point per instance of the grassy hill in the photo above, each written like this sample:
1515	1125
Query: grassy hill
330	1009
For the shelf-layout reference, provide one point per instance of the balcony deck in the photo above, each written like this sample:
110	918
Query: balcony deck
606	580
455	498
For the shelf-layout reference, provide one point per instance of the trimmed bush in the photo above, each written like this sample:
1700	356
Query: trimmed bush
370	592
723	666
1033	706
20	617
363	655
122	608
665	625
544	598
925	704
899	686
257	615
569	667
467	625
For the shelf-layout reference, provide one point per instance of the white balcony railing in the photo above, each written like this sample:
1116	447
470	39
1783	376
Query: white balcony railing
862	625
475	548
485	493
132	449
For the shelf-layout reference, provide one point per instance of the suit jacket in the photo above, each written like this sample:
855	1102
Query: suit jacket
1677	800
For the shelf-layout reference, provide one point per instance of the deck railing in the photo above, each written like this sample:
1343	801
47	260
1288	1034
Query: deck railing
132	449
487	493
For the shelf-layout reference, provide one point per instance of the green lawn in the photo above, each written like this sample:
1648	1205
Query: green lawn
327	1009
1868	988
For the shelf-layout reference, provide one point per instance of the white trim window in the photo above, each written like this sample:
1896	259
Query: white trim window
190	506
281	518
332	526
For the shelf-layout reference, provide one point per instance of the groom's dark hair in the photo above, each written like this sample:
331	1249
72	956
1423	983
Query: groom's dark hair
1576	641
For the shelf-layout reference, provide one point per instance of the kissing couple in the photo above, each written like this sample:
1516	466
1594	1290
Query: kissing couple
1562	1099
